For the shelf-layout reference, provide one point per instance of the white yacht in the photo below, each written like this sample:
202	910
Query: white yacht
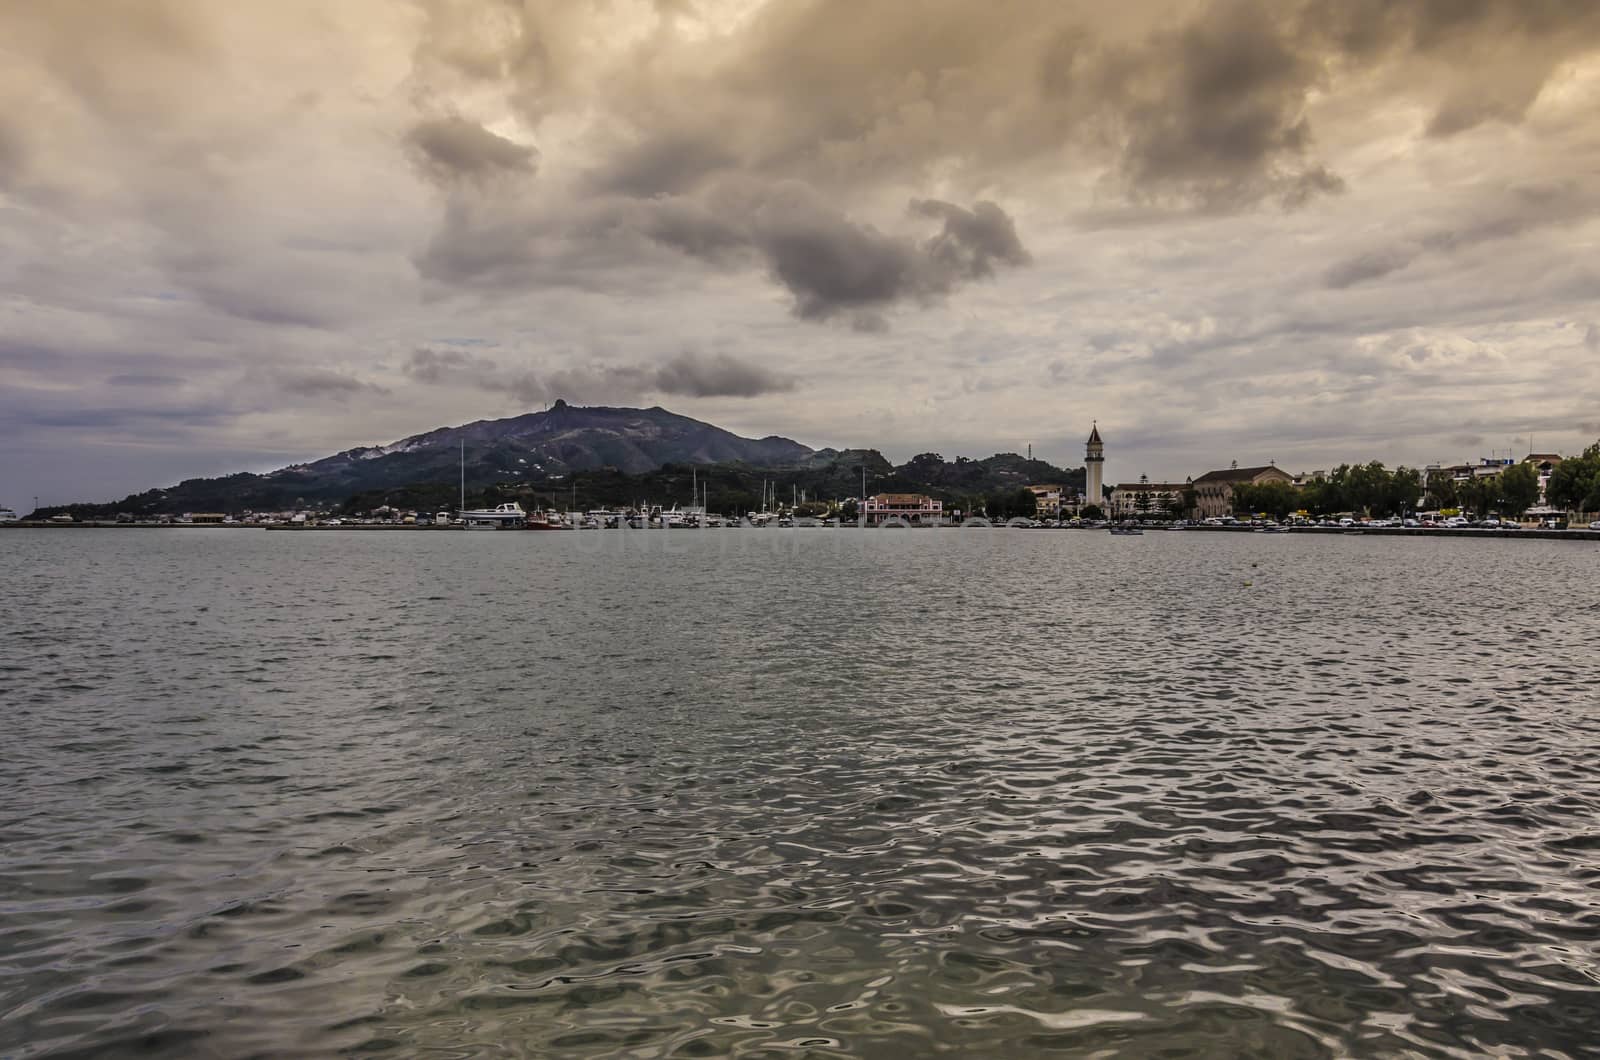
501	517
7	515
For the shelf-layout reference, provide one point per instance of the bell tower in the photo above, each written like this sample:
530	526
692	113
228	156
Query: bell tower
1094	458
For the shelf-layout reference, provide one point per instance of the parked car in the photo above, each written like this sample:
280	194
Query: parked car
1595	525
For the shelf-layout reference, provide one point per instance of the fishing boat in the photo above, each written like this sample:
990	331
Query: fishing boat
547	520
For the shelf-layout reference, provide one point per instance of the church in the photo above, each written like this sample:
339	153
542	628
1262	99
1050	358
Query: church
1094	459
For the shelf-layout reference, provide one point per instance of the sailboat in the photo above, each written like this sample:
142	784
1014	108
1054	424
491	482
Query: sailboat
509	516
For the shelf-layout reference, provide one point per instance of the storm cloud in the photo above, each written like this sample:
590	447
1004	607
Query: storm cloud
686	374
1339	230
718	375
452	148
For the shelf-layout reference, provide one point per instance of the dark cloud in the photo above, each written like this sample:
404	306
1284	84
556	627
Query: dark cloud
524	385
145	379
663	165
1215	112
718	375
688	374
704	144
164	421
1502	216
972	240
322	382
11	155
429	365
451	149
1369	265
1481	60
831	264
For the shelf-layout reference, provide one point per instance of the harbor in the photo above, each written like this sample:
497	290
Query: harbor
1526	533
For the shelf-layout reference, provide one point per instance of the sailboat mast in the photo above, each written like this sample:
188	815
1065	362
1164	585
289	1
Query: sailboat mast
463	475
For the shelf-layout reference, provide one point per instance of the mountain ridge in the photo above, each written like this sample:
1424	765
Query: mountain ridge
610	448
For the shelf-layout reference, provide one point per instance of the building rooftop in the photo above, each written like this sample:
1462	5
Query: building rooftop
1238	474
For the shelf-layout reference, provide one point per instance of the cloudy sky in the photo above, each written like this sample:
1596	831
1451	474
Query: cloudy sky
235	235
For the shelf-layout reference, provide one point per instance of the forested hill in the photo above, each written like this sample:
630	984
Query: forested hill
589	456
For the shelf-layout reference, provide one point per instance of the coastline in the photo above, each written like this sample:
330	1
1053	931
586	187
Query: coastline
1576	534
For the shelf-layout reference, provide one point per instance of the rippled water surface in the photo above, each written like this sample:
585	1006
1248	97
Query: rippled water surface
798	793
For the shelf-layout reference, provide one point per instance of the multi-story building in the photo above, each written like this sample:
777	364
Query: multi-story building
1144	497
1048	500
914	508
1214	489
1544	464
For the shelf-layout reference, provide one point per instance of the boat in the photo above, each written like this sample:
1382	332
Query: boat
1126	531
547	520
509	516
8	516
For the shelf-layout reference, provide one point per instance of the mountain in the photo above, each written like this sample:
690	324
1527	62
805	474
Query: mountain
538	446
589	457
562	439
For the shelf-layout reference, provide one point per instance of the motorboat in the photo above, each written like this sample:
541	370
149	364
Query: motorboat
509	516
548	520
1127	531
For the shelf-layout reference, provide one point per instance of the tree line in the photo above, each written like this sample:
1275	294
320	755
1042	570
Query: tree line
1375	490
1575	484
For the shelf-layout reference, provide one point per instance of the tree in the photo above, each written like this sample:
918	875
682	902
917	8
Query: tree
1092	511
1141	504
1404	489
1024	504
1575	483
1366	487
1479	494
1519	489
1442	491
1326	496
1276	499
